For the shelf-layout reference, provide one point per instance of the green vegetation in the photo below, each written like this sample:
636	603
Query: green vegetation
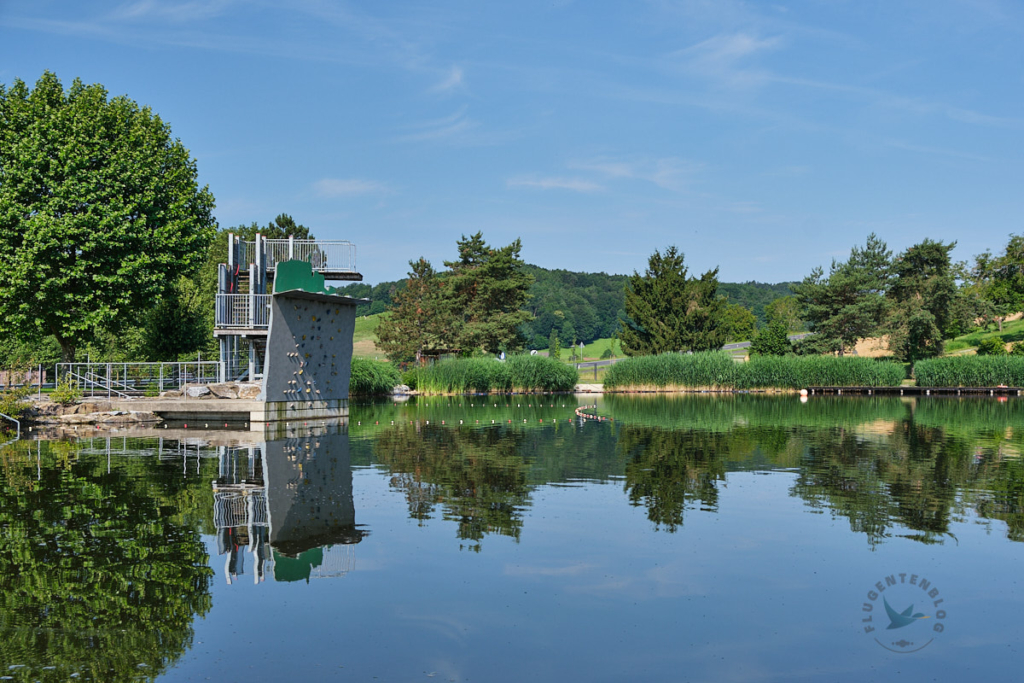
717	370
668	311
706	370
477	304
373	378
993	346
849	304
13	403
519	373
66	392
100	212
102	566
772	341
970	371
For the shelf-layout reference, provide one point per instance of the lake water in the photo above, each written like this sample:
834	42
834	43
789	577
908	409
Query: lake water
690	538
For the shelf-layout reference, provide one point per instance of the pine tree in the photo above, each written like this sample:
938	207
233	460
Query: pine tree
422	319
668	311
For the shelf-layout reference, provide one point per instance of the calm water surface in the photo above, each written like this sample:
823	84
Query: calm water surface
691	538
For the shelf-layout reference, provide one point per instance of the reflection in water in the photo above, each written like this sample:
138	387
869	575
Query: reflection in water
287	504
102	568
908	467
477	476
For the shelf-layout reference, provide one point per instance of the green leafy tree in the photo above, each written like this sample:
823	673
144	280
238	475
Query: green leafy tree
1000	280
850	303
739	321
922	293
554	346
489	288
785	310
100	211
422	320
668	311
771	341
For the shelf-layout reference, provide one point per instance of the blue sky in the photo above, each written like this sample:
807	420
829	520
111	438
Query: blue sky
763	138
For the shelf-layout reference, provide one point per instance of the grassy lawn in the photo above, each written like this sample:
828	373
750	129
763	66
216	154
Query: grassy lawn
594	349
363	339
1012	332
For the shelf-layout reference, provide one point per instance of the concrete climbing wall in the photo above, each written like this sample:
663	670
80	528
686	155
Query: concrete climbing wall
309	356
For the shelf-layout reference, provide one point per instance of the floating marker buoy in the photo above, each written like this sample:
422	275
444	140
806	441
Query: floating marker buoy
186	425
206	425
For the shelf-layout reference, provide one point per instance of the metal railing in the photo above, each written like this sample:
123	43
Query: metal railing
239	505
326	256
133	379
243	311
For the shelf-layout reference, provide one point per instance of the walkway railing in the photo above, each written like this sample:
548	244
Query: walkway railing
326	256
243	311
133	379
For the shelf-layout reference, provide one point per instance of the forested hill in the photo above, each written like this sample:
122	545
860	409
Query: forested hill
581	306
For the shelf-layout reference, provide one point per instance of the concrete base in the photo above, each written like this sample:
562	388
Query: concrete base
283	411
218	411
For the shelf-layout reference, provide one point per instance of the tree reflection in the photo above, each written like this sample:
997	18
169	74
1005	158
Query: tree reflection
477	476
666	470
99	577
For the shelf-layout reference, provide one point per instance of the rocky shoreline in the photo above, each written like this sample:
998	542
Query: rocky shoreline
102	412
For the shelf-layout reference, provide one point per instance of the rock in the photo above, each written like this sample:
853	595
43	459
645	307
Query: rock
78	419
196	391
401	389
170	394
249	391
227	390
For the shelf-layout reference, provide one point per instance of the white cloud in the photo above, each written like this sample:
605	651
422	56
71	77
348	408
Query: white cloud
574	184
347	187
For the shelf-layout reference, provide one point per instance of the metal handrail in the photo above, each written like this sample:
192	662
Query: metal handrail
243	311
17	423
326	256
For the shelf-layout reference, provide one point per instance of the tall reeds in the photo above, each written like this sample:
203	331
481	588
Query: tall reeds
970	371
713	370
485	375
372	378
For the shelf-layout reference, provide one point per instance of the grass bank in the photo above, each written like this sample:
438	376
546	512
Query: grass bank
715	370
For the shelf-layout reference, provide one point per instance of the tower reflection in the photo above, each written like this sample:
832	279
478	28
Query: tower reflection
284	505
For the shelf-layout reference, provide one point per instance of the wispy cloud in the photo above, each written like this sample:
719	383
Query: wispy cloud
551	183
669	173
178	12
347	187
457	128
452	81
725	58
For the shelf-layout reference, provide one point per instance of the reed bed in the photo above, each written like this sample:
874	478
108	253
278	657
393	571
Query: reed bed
970	371
715	370
798	372
706	370
487	375
372	378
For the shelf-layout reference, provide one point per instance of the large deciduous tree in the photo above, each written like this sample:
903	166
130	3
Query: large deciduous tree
100	211
850	303
668	311
922	294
